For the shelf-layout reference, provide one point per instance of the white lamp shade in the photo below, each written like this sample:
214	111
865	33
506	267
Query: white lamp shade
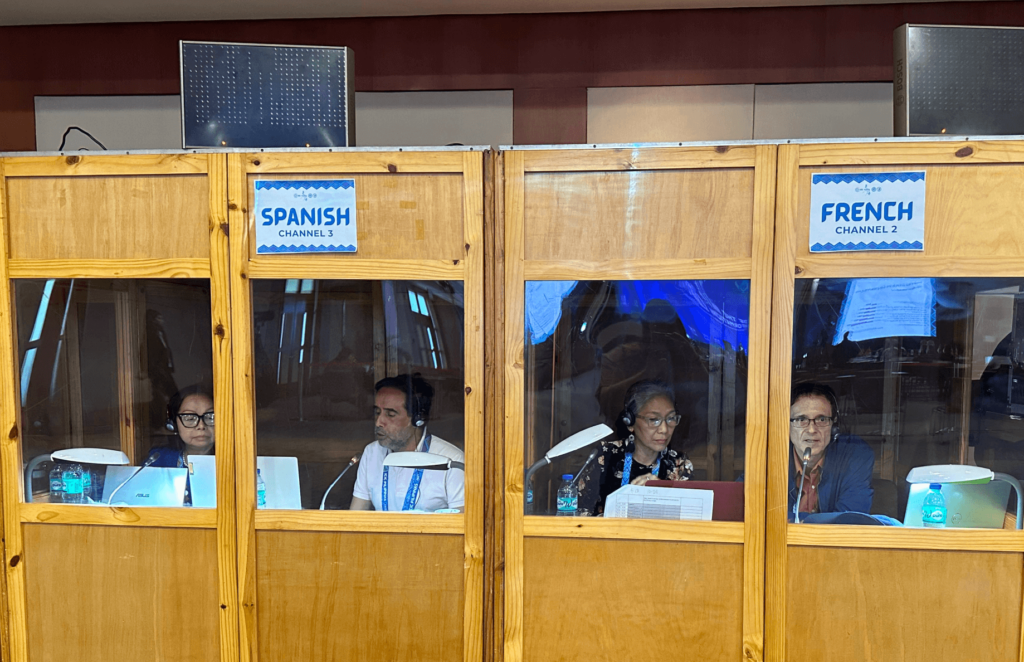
949	473
90	456
579	440
416	460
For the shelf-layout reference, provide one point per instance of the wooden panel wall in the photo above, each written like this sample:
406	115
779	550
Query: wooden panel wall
602	589
401	216
367	585
854	593
357	596
631	600
901	605
109	217
639	215
100	593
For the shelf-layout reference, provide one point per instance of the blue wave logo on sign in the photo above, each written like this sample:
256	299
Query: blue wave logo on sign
305	216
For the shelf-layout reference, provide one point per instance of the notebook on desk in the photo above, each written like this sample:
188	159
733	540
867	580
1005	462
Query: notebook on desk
728	496
280	475
968	506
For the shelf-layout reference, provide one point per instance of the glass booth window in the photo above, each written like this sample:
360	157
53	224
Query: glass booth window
662	364
907	401
116	385
348	375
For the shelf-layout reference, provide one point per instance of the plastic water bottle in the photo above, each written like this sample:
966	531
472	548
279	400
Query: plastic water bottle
86	485
529	501
933	514
73	487
261	491
568	497
56	483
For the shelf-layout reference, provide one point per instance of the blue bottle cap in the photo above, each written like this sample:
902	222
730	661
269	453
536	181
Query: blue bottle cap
935	486
566	476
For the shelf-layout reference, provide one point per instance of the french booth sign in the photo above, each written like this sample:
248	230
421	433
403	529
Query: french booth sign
870	211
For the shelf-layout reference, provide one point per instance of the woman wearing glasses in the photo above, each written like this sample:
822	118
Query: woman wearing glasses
190	417
835	469
649	416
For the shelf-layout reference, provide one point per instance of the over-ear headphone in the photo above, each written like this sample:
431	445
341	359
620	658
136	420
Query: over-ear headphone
628	416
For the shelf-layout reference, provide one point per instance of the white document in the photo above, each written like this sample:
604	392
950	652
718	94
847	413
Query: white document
642	502
884	307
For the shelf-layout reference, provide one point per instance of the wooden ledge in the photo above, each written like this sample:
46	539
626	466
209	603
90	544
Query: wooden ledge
710	268
142	268
633	529
66	513
359	521
896	537
345	267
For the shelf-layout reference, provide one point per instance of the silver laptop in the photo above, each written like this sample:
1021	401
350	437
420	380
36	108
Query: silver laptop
153	486
280	475
968	506
202	480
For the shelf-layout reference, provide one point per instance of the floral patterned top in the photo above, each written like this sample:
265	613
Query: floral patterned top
612	461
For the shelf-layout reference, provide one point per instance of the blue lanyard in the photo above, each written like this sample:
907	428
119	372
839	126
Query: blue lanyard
628	466
413	492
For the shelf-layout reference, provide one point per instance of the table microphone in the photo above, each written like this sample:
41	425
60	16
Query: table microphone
593	454
803	475
153	457
354	461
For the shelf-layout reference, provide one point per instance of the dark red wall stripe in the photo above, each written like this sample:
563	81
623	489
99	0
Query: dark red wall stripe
548	60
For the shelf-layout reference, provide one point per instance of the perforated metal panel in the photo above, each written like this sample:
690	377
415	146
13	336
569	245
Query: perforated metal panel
958	80
251	95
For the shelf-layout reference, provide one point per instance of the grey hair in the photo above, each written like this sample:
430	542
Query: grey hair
642	392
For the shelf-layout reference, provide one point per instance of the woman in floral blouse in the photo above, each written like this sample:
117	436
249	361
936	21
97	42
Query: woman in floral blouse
649	414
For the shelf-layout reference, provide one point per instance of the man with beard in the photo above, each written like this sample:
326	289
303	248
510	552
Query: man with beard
401	408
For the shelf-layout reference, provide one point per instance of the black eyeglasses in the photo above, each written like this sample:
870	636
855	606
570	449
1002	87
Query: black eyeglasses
192	420
819	421
655	422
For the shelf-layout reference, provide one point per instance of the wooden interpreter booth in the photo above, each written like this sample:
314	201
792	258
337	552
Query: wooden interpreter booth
102	257
599	244
944	397
338	584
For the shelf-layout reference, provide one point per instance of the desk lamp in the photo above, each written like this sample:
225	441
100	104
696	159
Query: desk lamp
962	474
419	460
581	439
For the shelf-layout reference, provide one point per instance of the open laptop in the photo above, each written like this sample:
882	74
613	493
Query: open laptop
280	474
153	486
968	506
728	504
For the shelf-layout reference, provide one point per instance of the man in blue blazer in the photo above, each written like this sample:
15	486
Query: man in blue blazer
836	469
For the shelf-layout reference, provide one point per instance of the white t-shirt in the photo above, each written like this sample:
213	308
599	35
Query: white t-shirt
438	488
